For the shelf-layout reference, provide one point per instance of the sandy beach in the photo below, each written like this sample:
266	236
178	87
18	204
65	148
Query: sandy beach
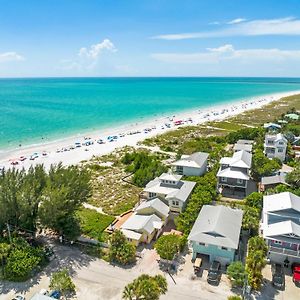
75	149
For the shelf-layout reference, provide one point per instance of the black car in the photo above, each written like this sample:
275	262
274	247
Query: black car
214	273
278	276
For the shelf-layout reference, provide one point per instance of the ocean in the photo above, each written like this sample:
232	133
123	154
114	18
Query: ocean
43	109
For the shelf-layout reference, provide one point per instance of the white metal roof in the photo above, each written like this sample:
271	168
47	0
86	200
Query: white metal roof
180	191
240	159
232	174
217	225
156	205
141	223
131	234
282	228
281	201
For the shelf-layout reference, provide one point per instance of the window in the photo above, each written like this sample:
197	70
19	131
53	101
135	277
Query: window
223	179
224	248
175	203
240	181
277	242
201	244
280	143
152	195
280	150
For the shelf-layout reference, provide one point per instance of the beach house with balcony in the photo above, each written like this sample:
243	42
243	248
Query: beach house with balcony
275	146
234	175
191	165
246	145
280	227
216	233
170	189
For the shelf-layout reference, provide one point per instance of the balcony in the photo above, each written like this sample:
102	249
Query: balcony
284	251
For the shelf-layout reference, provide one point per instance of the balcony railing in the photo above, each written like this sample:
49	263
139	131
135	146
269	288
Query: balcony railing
284	251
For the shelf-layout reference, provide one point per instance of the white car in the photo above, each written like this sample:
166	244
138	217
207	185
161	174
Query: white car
19	297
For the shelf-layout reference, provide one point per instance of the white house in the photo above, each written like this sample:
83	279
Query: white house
169	188
191	165
234	174
216	233
147	221
280	227
275	146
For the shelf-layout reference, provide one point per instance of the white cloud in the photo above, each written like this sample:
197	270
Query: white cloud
10	56
88	57
227	53
236	21
95	50
284	26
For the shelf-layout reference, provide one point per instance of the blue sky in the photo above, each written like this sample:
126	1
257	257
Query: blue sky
149	38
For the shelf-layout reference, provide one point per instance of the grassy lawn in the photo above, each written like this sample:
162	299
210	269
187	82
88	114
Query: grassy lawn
93	223
229	126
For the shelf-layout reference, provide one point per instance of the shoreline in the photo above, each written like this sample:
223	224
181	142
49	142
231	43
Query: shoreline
156	126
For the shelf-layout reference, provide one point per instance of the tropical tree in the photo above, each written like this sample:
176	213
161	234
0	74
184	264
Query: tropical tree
120	249
169	245
62	282
66	189
235	297
4	252
236	273
255	262
257	243
251	219
146	287
255	200
293	178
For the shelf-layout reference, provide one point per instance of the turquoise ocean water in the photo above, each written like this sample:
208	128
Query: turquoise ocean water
37	110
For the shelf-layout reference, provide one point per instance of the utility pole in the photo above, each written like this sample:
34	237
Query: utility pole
9	235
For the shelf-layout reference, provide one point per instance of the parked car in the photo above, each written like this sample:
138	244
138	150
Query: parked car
296	273
19	297
55	294
214	273
197	264
278	279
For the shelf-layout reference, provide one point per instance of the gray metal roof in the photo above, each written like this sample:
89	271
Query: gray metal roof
218	225
245	142
276	179
195	160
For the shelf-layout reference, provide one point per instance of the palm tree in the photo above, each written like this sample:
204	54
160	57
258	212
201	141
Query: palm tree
162	283
128	292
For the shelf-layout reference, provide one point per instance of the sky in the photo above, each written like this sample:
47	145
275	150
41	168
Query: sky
69	38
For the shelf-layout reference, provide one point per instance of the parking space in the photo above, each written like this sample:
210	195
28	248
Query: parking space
291	291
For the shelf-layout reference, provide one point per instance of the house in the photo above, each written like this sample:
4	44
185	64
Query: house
239	146
191	165
280	227
270	182
147	221
234	174
169	188
216	233
275	146
272	126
